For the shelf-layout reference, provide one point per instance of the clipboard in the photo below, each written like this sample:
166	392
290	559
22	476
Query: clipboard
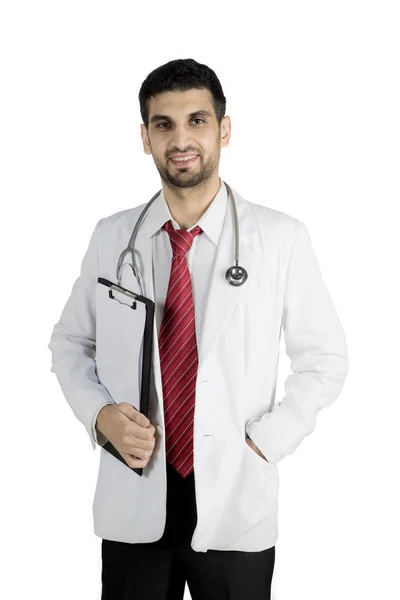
146	357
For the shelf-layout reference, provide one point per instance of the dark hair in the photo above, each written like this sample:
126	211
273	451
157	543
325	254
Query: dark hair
181	75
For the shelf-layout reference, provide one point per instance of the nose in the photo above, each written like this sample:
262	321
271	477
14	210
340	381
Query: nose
181	139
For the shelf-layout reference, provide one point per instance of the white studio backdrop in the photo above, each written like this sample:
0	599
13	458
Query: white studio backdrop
312	90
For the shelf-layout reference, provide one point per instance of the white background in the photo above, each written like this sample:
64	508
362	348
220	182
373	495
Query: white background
312	90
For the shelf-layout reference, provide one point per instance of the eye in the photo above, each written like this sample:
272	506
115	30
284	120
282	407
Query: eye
166	123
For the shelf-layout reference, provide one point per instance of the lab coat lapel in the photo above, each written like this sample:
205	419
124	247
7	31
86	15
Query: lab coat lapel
223	297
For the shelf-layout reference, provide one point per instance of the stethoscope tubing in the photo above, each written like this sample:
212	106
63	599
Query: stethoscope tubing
131	245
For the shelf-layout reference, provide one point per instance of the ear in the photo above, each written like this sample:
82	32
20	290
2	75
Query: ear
225	131
145	139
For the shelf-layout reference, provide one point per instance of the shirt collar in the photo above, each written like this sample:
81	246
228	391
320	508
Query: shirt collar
211	221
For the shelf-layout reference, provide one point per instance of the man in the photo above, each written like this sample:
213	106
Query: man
205	509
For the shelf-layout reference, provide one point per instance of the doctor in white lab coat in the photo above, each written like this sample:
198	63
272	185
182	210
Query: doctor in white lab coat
96	343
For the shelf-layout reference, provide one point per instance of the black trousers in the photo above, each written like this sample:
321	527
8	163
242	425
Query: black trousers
159	570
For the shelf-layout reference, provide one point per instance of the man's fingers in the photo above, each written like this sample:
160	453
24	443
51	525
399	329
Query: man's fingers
134	461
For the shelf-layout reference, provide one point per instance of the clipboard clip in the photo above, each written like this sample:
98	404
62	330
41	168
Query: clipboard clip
111	295
121	290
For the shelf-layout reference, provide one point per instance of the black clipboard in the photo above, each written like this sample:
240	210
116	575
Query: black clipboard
146	356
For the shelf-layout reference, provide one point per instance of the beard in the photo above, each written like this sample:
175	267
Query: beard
187	177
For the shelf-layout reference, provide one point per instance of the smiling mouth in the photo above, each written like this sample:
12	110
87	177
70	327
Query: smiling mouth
186	162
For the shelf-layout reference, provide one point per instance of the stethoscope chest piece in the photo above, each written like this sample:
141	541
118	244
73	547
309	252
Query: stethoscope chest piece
236	275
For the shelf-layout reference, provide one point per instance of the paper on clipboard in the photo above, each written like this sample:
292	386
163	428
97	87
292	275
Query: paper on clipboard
142	309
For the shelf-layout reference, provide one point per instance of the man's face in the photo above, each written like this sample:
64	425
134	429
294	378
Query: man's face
173	129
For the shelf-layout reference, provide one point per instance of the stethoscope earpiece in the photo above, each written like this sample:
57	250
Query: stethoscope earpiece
236	275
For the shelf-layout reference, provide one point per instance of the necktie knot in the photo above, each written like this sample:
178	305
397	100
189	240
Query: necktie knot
181	239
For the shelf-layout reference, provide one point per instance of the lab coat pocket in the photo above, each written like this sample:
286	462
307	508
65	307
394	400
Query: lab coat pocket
250	484
264	462
265	475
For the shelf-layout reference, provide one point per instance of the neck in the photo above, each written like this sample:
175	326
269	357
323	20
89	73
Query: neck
187	205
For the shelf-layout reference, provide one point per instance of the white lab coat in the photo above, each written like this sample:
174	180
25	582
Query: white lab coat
95	348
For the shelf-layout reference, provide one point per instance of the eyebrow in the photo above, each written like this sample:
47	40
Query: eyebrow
191	115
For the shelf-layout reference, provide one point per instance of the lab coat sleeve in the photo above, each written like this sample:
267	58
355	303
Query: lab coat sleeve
316	345
73	347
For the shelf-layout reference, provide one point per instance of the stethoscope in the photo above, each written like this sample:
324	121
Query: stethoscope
234	275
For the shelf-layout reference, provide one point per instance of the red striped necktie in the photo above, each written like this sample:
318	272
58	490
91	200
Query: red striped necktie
178	354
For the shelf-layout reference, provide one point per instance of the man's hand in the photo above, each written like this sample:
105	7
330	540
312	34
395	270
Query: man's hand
256	448
129	431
